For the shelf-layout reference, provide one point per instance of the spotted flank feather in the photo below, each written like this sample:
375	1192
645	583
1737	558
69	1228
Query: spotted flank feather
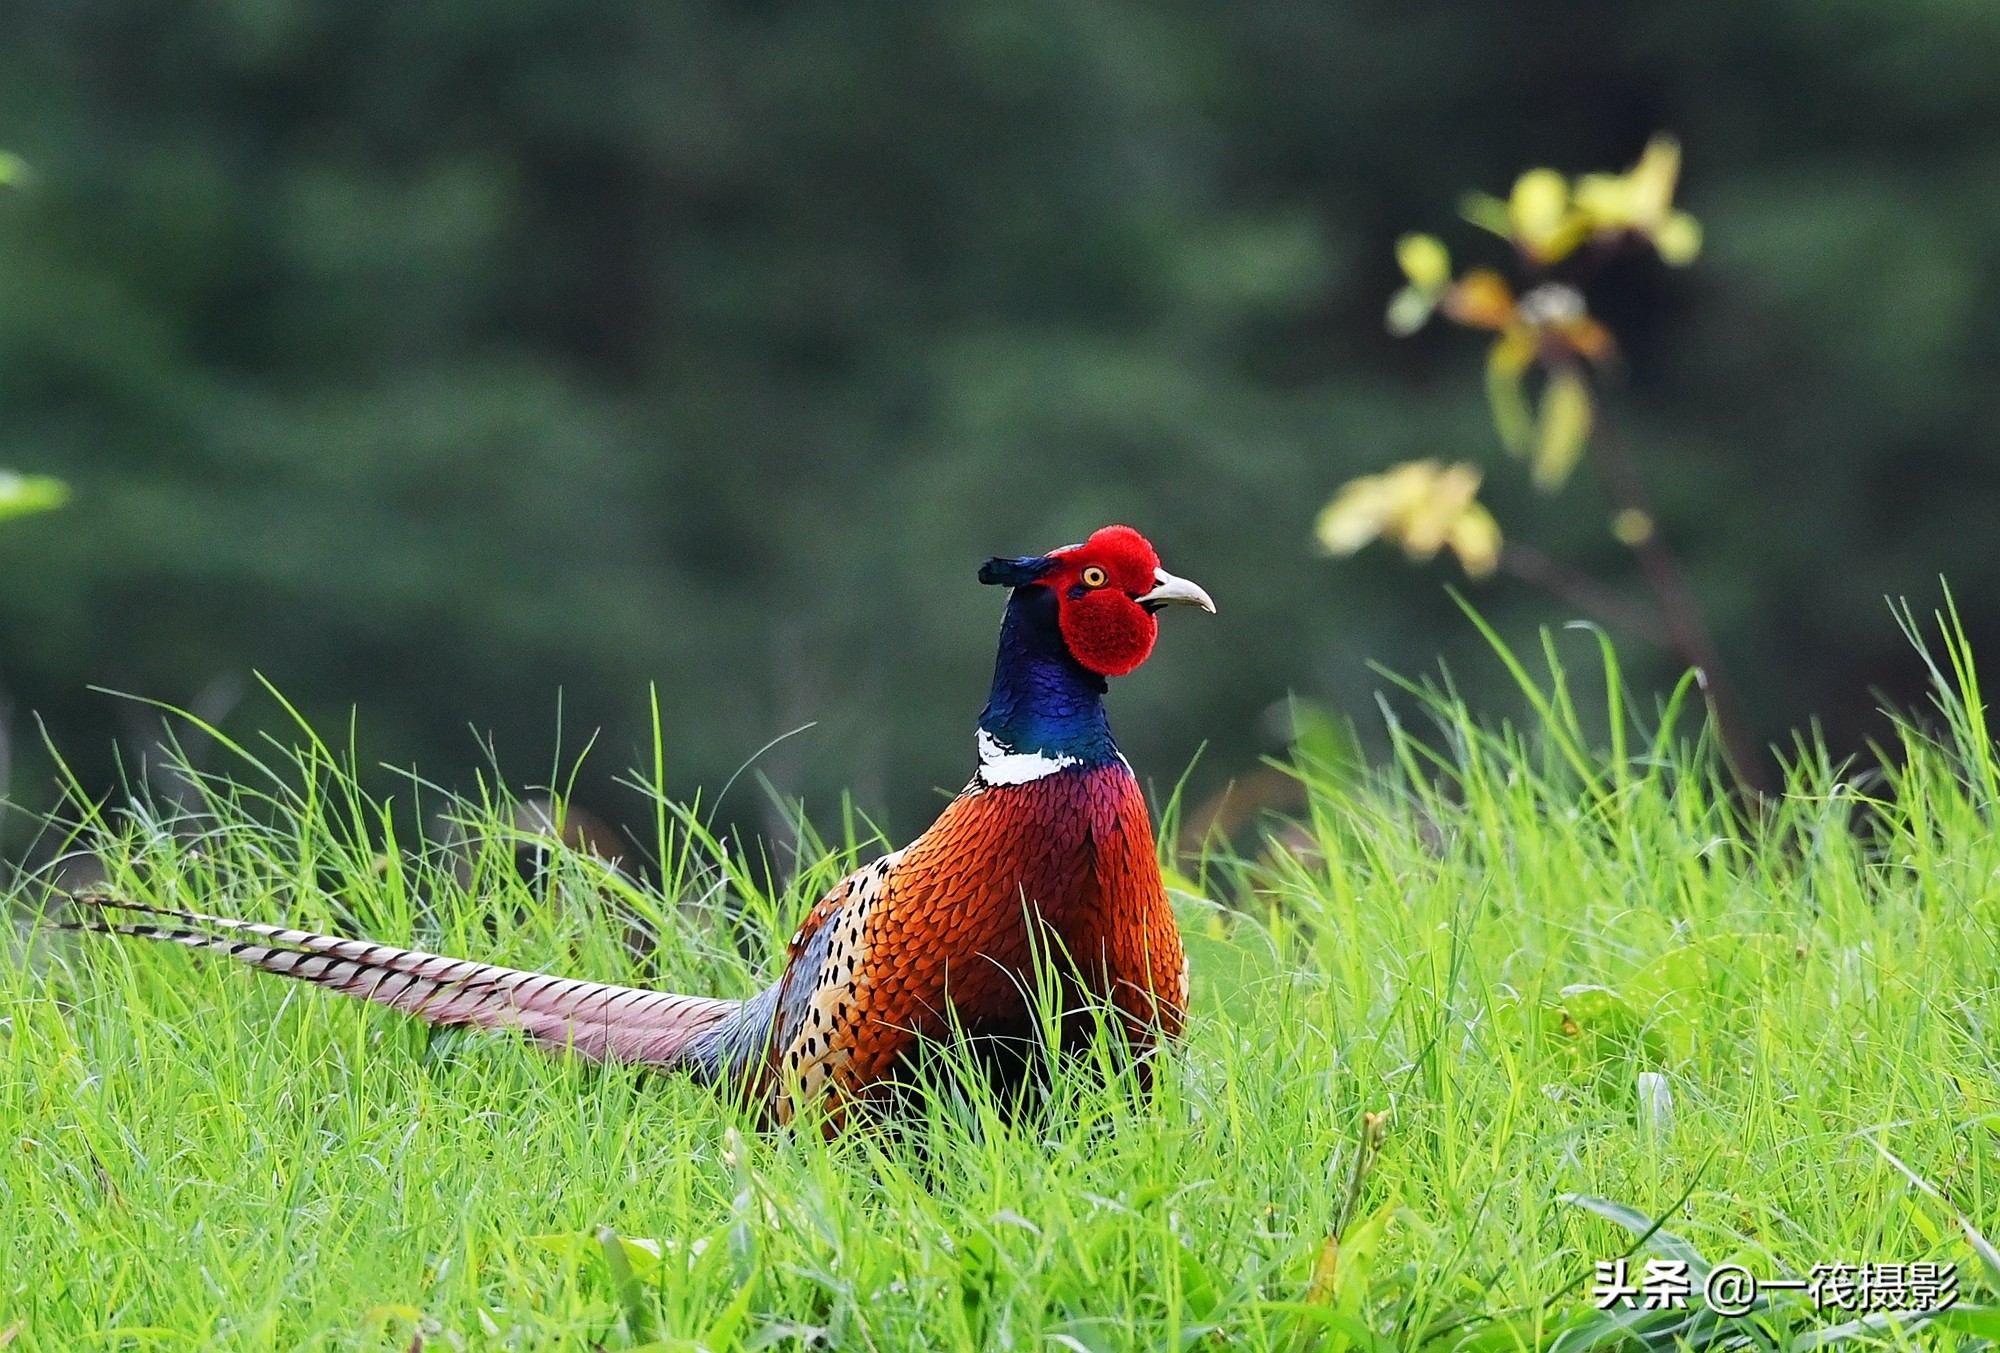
820	993
1048	851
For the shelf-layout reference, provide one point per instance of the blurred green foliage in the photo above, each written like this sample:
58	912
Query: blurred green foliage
433	358
22	494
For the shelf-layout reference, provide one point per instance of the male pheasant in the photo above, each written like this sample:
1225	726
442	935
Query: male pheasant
1048	851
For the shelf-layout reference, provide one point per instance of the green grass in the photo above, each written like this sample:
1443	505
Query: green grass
1490	941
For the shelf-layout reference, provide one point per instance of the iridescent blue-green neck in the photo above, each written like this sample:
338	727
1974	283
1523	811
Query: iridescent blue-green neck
1044	702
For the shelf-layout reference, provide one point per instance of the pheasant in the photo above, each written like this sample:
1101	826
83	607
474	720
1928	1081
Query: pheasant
1047	854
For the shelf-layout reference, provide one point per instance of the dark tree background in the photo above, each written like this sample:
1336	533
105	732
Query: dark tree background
437	358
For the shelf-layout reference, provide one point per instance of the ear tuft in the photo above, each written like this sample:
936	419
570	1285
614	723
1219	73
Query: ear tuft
1015	572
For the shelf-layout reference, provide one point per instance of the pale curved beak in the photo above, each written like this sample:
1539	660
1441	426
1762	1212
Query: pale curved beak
1171	591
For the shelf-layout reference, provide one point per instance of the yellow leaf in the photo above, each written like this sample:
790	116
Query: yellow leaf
1536	206
1487	212
1654	176
1475	539
1419	505
1481	300
1678	239
1505	364
1433	506
1637	199
1354	517
1632	527
1565	427
1587	338
1424	261
1409	310
1541	218
1405	490
1326	1273
1641	200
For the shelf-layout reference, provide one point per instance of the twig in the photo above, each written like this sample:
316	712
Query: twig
1576	588
1374	1128
1686	629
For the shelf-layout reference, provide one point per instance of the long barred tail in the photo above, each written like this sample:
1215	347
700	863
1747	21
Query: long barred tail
596	1020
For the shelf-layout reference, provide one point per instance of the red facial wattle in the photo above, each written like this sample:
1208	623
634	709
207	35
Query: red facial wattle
1107	631
1106	592
1098	586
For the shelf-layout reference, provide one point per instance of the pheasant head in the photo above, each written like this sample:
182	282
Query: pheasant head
1106	593
1075	616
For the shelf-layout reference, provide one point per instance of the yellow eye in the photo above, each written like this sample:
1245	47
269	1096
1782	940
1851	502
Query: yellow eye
1093	576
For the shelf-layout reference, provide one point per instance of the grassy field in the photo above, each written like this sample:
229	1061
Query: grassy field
1586	995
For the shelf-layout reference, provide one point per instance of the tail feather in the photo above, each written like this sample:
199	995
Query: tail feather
596	1020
